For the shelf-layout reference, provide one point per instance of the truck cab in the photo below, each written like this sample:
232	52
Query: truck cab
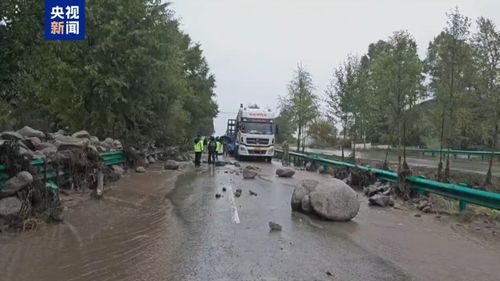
255	133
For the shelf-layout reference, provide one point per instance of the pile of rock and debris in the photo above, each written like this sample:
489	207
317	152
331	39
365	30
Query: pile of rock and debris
379	194
332	199
28	192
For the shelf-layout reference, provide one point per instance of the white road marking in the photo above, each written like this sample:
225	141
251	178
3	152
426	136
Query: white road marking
236	218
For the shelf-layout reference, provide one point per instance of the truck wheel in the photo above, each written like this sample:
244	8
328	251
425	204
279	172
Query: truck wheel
269	159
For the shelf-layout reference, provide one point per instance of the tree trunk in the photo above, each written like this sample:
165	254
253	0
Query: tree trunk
440	165
344	137
299	135
493	147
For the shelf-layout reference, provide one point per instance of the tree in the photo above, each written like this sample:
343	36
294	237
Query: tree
487	60
398	73
301	102
344	100
140	80
449	62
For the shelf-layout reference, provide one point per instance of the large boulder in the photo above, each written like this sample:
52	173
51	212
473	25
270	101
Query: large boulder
10	206
140	169
381	200
15	184
285	173
171	165
13	136
81	135
249	173
335	200
302	189
29	132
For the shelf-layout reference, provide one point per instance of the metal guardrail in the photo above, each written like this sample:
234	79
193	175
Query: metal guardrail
110	158
463	194
454	152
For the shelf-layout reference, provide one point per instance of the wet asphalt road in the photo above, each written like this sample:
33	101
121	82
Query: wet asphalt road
232	240
147	228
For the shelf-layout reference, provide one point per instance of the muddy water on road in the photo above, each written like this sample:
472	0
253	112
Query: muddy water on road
120	237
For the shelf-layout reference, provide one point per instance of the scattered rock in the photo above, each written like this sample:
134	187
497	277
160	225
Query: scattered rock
249	173
15	184
116	144
151	159
81	135
237	193
218	195
321	170
66	142
285	173
252	193
274	226
373	189
94	139
223	189
422	204
220	163
237	164
35	142
10	206
11	136
329	273
335	200
118	170
304	188
28	132
171	165
418	215
426	209
381	200
140	169
225	172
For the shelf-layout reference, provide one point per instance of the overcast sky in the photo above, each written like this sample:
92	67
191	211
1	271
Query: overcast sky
253	46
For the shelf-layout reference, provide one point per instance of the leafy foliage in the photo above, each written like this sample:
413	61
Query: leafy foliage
136	76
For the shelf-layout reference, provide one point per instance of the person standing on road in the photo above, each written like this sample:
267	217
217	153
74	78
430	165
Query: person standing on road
219	148
284	159
198	149
212	150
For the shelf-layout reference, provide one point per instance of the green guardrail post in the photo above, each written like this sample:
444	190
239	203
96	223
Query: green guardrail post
461	205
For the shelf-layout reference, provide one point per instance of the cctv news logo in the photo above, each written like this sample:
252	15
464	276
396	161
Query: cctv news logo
64	19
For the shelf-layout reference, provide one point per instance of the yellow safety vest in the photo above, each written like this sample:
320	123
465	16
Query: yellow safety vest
198	147
219	147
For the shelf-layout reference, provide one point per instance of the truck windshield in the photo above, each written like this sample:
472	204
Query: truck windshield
257	128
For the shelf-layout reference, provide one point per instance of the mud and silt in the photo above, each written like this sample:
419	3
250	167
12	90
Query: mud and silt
149	228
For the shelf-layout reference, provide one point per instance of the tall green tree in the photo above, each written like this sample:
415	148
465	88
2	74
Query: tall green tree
449	63
141	80
398	75
487	60
301	102
344	99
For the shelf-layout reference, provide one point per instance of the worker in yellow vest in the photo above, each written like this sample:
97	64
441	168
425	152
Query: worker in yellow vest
198	149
